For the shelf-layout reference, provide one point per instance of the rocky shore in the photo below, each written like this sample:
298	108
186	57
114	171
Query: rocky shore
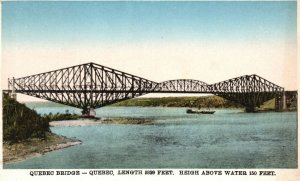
89	122
33	147
30	148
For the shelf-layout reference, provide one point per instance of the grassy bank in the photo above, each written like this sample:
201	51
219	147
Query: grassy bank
90	122
20	122
197	102
203	101
26	134
59	116
127	121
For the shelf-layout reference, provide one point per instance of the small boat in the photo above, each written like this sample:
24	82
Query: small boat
197	111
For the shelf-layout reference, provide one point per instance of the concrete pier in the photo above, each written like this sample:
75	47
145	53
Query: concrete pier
286	101
12	89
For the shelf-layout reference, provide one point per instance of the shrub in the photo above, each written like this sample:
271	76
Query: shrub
20	122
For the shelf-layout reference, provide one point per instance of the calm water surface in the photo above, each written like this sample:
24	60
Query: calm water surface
227	139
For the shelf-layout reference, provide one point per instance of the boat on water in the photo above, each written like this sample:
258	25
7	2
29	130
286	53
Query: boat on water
197	111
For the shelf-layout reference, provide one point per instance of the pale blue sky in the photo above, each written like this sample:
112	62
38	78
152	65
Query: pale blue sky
207	41
119	22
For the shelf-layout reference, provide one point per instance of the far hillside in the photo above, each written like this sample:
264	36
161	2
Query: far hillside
197	102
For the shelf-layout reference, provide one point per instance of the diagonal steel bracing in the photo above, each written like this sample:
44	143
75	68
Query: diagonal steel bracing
92	86
84	86
248	90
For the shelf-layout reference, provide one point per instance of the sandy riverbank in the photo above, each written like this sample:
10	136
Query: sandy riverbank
35	147
89	122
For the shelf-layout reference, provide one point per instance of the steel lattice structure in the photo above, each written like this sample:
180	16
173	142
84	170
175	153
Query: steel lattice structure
84	86
248	90
183	86
93	86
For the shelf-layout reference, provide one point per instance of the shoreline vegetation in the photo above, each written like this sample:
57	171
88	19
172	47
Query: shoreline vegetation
90	122
34	147
198	102
27	134
202	102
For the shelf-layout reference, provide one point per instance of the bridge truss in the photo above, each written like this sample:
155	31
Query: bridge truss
91	85
84	86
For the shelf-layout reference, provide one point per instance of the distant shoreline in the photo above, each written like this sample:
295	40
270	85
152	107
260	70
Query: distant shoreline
90	122
199	101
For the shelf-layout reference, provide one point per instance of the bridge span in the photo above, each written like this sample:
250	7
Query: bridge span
91	86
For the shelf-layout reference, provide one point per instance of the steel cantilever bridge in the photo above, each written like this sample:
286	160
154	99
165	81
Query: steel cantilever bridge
90	86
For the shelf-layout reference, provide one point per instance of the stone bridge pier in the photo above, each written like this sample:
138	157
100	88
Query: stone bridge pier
90	86
286	101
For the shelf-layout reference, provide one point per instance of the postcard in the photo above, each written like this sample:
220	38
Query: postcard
111	90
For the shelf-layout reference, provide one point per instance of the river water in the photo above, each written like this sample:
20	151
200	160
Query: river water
228	139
